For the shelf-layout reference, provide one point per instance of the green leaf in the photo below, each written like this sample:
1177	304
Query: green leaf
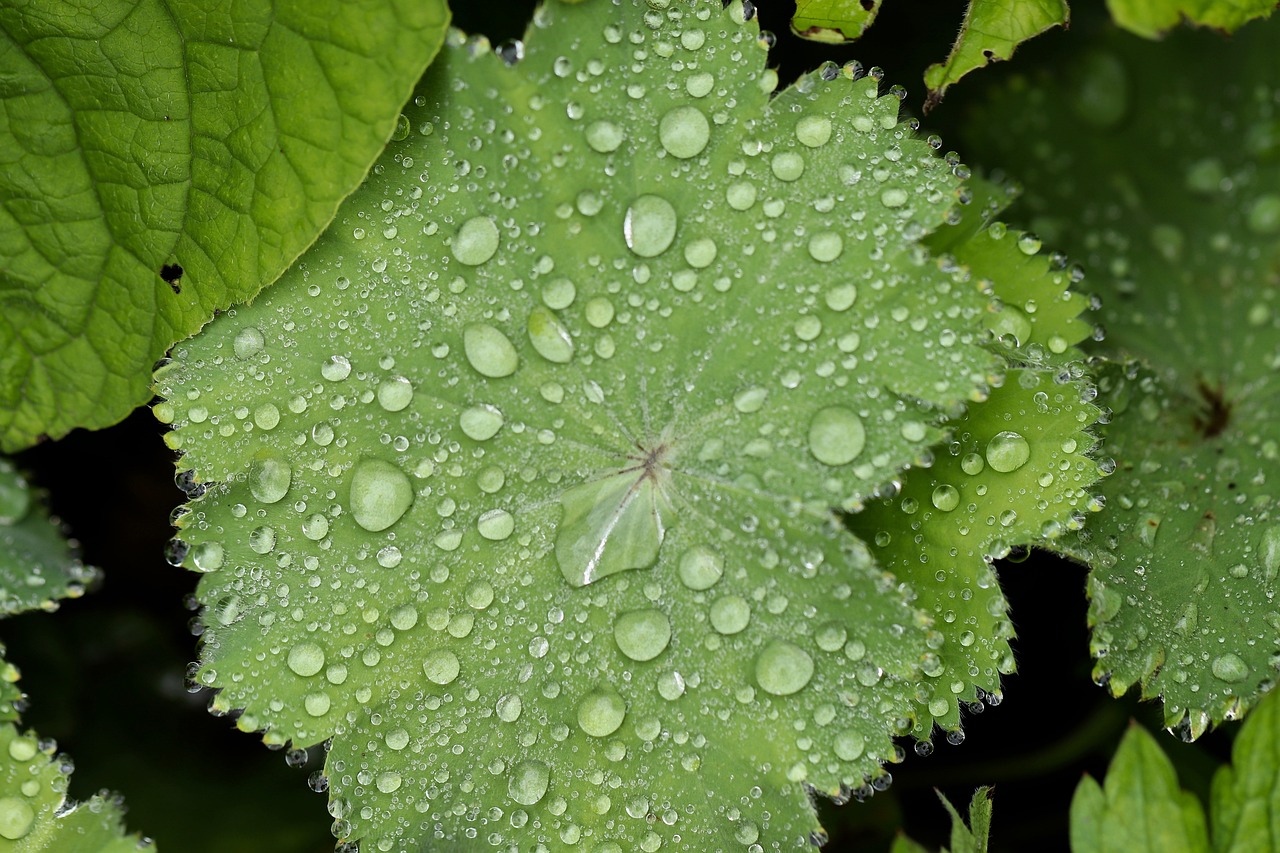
37	564
833	21
161	160
1140	806
1152	18
965	838
628	328
1245	804
991	31
1179	232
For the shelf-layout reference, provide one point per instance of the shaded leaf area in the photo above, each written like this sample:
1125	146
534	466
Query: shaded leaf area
160	160
1167	186
991	31
1139	807
833	20
35	813
1244	811
37	564
965	838
519	486
1153	18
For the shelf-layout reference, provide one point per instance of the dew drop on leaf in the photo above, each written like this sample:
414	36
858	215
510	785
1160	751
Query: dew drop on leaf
700	568
269	479
642	634
836	436
1007	451
248	343
528	782
730	614
1230	668
16	818
480	422
476	241
489	351
380	494
549	337
684	132
813	131
787	166
601	712
604	136
395	394
946	497
441	667
306	658
649	226
783	668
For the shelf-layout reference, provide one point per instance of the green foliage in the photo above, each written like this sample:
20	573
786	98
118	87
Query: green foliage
833	20
160	160
1152	18
970	838
37	566
520	484
1183	247
991	31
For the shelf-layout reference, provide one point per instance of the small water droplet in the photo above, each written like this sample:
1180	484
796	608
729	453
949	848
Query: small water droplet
496	524
730	614
604	136
826	246
813	131
16	818
787	166
549	337
946	497
642	634
894	197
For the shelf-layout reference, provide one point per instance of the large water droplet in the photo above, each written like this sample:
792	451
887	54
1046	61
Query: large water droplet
380	494
1007	451
549	337
528	782
248	343
700	568
649	226
1269	551
684	132
642	634
269	479
16	818
480	423
946	497
509	707
306	658
441	666
601	712
787	166
476	241
730	615
836	436
1230	668
496	525
395	393
490	352
604	136
825	246
783	668
813	131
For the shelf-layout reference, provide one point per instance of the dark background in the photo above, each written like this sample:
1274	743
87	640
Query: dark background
106	674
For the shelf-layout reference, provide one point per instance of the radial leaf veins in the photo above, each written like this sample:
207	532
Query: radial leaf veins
520	486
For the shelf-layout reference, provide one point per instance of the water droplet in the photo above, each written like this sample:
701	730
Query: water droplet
1101	96
476	241
248	343
23	748
489	351
670	686
528	782
836	436
380	494
509	707
700	568
787	166
207	556
441	666
559	293
684	132
549	337
741	195
336	368
826	246
496	525
894	197
16	818
317	703
1230	668
841	297
946	497
750	400
395	393
604	136
649	226
600	713
1029	244
730	614
1007	451
599	312
306	658
315	527
700	253
783	668
813	131
388	781
642	634
1269	551
480	423
849	745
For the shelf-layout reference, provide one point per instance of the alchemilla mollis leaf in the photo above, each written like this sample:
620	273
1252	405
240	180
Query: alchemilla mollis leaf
37	563
163	159
1179	231
520	486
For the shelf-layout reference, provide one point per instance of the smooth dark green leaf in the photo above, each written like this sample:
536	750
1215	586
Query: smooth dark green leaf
163	159
1152	18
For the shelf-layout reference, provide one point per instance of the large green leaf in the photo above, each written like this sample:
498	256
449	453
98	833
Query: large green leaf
163	159
1245	804
519	485
833	20
1178	221
1151	18
37	566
